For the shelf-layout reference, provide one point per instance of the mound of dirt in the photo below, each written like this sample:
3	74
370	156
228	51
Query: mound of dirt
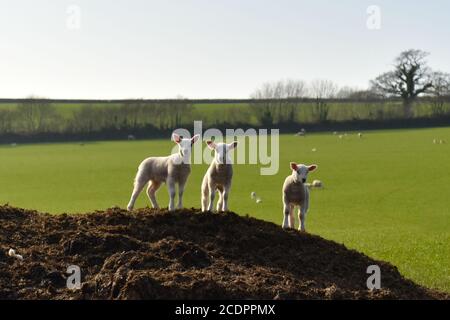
152	254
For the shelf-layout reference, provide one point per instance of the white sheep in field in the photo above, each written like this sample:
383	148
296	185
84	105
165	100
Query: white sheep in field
218	177
172	170
317	184
295	193
360	135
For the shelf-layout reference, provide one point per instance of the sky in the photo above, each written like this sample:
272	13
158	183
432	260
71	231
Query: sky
98	49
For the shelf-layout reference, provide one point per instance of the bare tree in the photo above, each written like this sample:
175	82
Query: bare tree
409	79
6	120
321	90
37	114
440	90
346	92
278	100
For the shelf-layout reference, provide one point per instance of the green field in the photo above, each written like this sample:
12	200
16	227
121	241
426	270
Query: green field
386	195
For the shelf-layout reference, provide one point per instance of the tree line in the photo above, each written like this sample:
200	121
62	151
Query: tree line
410	79
35	115
411	90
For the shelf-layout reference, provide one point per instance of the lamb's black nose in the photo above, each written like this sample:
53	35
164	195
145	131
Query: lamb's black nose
303	180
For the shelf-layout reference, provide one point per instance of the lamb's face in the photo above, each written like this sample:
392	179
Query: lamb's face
184	145
300	171
222	151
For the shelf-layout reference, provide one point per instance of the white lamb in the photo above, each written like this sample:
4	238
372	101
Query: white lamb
218	177
172	170
295	193
317	184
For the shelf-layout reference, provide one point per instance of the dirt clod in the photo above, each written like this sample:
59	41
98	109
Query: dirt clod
155	254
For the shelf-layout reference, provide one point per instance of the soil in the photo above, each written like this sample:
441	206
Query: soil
186	254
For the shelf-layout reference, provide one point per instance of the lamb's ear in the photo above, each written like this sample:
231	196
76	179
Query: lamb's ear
195	139
293	166
233	145
211	144
176	138
312	167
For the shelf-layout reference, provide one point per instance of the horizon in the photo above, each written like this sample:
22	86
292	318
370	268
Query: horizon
96	50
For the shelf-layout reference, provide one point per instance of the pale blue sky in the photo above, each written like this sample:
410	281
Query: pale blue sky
206	49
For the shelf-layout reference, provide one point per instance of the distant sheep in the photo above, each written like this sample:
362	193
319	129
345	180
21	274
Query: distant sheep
317	184
172	170
295	193
360	135
131	137
218	177
439	141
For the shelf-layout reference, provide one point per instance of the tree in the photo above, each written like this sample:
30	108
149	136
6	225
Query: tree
37	114
409	79
278	100
346	92
321	90
439	91
6	120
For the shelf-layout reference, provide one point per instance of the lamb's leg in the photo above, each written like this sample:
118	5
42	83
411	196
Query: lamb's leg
153	186
139	183
221	198
226	193
171	188
302	216
205	194
181	185
212	195
291	217
302	213
286	211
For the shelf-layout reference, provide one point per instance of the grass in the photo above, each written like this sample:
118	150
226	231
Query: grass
385	195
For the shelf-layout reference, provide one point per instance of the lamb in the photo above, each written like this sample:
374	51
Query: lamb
317	184
295	193
218	177
172	170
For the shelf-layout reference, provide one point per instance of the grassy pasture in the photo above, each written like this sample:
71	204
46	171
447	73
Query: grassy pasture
386	195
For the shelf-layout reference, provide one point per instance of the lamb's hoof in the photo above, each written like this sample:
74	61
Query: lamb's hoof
130	208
